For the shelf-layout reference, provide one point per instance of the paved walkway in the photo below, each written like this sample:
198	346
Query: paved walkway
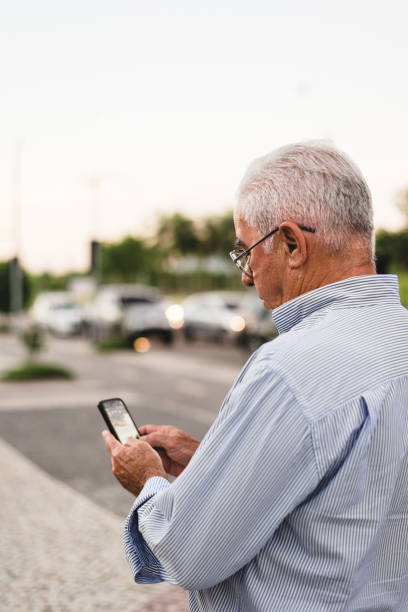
59	552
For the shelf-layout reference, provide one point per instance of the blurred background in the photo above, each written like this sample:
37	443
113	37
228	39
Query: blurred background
126	128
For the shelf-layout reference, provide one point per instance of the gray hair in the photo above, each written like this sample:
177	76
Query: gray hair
314	185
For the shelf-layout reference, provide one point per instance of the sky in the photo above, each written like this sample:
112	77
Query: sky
114	112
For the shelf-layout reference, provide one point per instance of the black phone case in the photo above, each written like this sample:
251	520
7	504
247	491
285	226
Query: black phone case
106	418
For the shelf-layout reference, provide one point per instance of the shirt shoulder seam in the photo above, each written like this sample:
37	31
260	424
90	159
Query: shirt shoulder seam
299	408
354	397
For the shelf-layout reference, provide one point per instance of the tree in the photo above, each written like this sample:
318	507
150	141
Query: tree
218	234
393	247
402	204
47	281
177	234
129	260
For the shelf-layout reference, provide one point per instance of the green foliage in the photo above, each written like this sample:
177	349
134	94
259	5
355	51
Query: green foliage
150	261
33	338
33	370
403	282
113	344
137	260
130	260
218	234
170	282
177	234
392	255
393	247
5	287
48	282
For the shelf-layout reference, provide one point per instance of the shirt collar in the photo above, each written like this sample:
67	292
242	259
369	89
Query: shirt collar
354	291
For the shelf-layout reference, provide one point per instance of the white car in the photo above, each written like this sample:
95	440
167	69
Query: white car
129	312
57	312
214	314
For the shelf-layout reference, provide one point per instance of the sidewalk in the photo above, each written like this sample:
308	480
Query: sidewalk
59	552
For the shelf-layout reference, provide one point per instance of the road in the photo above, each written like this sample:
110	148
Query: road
62	511
56	424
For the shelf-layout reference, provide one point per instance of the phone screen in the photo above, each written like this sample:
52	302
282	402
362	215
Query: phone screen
121	420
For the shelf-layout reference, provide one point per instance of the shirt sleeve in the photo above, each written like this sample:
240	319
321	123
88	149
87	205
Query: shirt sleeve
145	566
254	466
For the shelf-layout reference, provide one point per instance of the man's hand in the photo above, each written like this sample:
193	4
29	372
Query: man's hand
133	463
174	446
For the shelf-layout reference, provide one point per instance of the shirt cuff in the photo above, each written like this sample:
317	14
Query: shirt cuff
145	566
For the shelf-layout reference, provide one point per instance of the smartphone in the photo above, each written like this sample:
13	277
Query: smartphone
118	419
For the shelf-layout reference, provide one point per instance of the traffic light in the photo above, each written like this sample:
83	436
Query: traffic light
96	258
16	286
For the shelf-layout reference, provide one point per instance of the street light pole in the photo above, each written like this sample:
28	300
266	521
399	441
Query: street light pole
94	184
16	278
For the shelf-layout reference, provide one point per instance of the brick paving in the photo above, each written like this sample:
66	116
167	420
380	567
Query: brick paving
59	552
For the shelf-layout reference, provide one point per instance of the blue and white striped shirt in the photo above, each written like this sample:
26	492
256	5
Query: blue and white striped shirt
297	497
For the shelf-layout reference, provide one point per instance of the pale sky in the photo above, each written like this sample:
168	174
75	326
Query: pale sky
165	104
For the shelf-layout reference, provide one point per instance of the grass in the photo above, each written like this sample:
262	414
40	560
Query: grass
33	370
403	281
113	344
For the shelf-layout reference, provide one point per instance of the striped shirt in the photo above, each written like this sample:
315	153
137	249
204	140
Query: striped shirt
297	497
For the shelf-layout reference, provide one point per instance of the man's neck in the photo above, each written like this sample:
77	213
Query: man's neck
332	270
336	275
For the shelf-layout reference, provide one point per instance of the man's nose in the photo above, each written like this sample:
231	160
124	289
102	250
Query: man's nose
247	280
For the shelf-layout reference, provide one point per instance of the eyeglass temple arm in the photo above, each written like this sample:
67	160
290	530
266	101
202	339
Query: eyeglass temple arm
302	227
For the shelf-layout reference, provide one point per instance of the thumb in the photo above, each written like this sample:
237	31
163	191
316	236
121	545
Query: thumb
110	441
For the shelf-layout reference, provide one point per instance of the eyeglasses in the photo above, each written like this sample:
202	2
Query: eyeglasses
241	258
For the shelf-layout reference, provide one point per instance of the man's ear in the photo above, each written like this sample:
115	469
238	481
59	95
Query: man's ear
294	243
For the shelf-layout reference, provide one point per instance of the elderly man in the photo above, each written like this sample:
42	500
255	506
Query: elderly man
297	497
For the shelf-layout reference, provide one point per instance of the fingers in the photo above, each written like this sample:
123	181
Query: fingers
133	463
155	435
146	429
111	442
156	439
162	454
136	442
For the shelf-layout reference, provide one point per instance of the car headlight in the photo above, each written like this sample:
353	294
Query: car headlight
237	323
175	316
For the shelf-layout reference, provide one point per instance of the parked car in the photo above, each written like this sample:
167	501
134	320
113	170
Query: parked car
260	326
129	312
213	315
57	312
